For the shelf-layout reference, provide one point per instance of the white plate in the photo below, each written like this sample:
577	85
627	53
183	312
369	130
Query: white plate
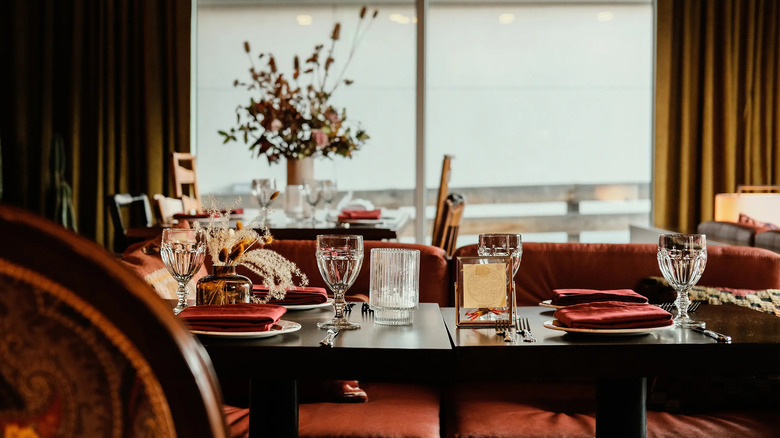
294	307
556	325
548	303
282	326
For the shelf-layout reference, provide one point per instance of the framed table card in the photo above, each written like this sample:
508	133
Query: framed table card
483	291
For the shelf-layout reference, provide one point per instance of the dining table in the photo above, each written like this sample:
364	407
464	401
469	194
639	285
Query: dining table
417	352
389	226
621	363
442	352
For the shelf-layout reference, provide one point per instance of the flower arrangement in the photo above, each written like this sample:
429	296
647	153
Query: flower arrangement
244	246
295	120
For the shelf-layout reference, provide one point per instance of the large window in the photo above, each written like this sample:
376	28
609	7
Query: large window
531	98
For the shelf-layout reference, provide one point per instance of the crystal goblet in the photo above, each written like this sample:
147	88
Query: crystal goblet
183	251
339	258
263	190
682	258
312	195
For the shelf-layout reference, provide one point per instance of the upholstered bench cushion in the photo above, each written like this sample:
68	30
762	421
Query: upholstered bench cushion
392	410
567	410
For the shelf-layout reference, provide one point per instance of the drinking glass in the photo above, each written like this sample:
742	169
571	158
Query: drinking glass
503	245
339	258
394	285
263	190
328	190
183	250
682	258
313	194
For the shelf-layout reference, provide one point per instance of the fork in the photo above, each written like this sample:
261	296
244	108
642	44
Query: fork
525	328
503	329
671	306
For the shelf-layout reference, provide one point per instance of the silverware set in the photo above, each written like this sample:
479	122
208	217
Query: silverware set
524	329
504	328
671	306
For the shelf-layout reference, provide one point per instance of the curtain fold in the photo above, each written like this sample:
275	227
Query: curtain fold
113	78
717	121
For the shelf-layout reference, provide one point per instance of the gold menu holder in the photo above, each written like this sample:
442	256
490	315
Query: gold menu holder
483	291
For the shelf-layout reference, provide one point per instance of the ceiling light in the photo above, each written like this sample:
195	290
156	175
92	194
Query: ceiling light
506	18
304	20
606	16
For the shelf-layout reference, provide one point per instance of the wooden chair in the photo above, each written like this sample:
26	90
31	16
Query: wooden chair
185	178
452	212
132	219
442	195
165	208
88	348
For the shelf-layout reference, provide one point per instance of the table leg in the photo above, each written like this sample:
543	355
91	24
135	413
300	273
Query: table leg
273	408
621	408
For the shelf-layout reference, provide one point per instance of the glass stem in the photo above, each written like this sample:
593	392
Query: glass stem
682	302
339	304
181	292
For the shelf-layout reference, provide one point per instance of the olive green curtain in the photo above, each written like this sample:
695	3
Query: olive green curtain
717	116
112	77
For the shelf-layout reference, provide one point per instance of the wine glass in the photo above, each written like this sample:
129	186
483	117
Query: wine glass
312	194
263	190
328	190
183	250
339	258
682	258
510	245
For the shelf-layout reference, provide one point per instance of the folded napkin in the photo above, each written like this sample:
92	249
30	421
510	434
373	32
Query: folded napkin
205	215
613	315
233	317
360	214
567	297
296	295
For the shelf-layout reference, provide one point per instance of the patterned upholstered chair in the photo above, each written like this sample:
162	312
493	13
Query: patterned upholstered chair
88	349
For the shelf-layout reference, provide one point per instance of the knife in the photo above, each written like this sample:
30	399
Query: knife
715	335
328	341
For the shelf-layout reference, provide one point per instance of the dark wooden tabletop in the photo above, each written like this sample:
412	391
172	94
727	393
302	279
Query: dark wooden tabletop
755	347
420	351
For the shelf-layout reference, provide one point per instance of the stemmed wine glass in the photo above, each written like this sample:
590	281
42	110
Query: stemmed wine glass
183	250
682	258
510	245
328	190
263	190
312	194
339	258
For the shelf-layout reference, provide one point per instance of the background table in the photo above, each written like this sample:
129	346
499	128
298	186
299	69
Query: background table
620	364
393	222
418	352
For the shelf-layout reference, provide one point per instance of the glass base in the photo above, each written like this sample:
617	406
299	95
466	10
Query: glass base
338	324
688	323
393	316
177	310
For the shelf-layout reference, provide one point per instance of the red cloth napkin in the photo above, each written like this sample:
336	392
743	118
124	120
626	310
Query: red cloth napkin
568	297
296	295
360	214
233	317
613	315
205	215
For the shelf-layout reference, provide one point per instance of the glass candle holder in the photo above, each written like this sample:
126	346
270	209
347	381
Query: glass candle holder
394	285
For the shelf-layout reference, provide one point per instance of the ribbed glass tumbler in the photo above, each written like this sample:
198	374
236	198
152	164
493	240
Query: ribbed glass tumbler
394	288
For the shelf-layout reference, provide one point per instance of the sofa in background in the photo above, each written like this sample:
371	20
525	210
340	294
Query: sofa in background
741	233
